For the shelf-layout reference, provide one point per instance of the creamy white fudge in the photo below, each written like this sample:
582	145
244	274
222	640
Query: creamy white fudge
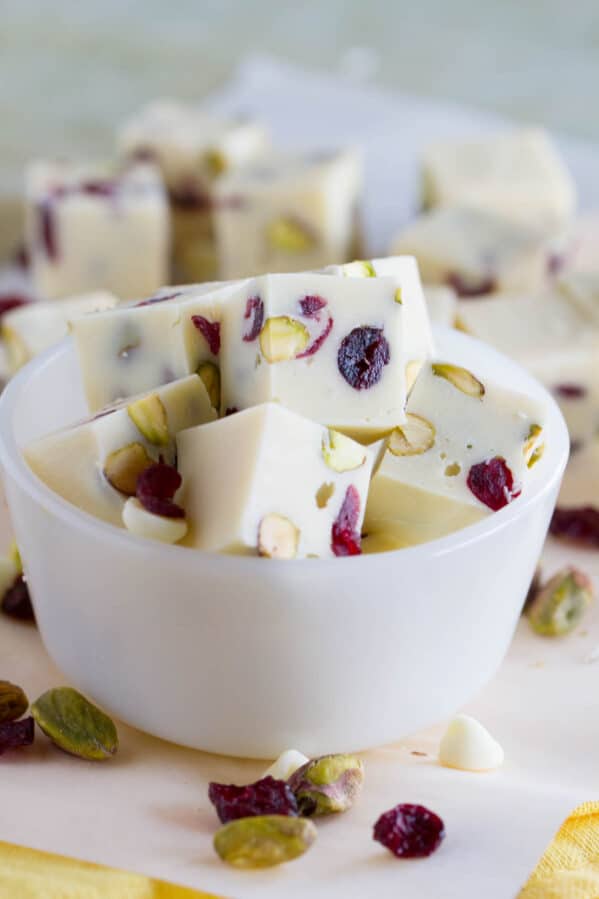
95	464
475	252
584	254
270	482
29	330
442	304
517	174
131	349
96	228
193	150
465	450
330	348
287	213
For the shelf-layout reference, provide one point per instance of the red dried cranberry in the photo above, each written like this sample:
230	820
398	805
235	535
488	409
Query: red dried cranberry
409	831
156	486
254	314
144	154
362	357
210	331
47	229
470	289
99	188
570	391
10	301
580	524
492	483
312	306
345	538
231	410
265	797
15	734
151	300
188	197
16	602
21	257
318	341
555	263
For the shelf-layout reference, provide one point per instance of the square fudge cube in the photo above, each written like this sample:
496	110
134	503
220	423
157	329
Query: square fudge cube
326	347
518	174
466	449
95	464
95	228
131	349
29	330
193	150
287	213
475	252
268	481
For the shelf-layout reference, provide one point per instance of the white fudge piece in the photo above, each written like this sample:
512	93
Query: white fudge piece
584	255
474	252
296	490
77	462
327	347
442	304
95	228
127	350
465	450
31	329
580	487
287	213
519	174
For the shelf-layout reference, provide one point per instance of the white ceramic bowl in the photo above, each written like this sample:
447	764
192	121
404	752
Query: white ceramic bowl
246	656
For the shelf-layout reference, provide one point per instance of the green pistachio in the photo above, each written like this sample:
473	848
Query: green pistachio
264	840
13	702
75	725
327	784
558	606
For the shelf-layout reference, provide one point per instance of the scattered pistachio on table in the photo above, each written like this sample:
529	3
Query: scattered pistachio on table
75	725
263	840
13	701
558	605
327	784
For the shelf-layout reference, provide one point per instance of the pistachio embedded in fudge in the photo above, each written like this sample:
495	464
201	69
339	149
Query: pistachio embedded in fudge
93	227
474	251
287	213
286	486
96	464
465	450
330	348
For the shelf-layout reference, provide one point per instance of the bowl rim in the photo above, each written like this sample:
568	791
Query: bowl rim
14	465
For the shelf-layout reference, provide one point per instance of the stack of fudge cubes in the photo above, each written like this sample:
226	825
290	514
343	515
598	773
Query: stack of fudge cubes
504	258
288	416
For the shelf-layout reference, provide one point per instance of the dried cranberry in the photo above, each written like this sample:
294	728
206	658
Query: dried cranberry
156	486
254	314
580	524
99	188
570	391
231	410
409	831
16	602
188	197
14	734
21	257
151	300
555	263
10	301
144	154
210	331
265	797
492	483
47	229
318	341
362	357
469	289
312	306
345	538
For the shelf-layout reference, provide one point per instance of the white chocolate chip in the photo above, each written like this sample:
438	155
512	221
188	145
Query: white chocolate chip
286	764
155	527
469	746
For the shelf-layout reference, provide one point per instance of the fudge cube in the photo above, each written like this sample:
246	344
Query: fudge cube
29	330
418	338
475	252
131	349
95	228
95	464
287	213
268	481
192	150
465	450
442	304
518	174
329	348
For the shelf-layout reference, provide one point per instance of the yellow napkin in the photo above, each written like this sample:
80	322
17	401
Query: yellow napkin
569	869
28	874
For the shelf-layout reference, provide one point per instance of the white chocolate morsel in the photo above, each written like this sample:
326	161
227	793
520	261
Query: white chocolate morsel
442	304
131	349
330	348
518	174
85	462
286	764
154	527
287	213
282	483
96	228
31	329
474	251
458	432
469	746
